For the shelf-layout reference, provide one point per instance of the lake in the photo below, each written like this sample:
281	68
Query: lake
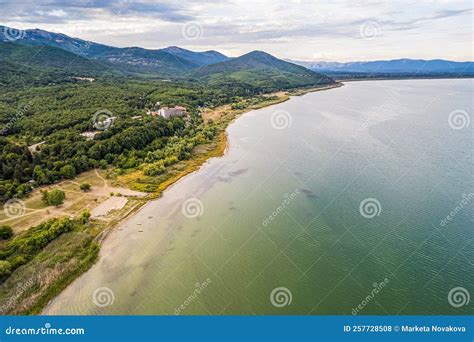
354	200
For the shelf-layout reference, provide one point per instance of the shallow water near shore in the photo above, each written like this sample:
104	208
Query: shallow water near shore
335	202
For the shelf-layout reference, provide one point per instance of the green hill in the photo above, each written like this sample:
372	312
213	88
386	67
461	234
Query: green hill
22	65
50	58
262	70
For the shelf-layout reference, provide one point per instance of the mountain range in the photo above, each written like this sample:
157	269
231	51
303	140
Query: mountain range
58	54
166	61
397	66
40	56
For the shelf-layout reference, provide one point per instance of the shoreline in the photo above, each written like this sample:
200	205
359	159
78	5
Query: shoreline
221	148
401	79
222	144
214	149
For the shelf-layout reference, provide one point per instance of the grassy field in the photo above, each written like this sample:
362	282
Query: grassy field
76	201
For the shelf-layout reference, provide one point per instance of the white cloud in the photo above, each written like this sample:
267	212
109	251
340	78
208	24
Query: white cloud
298	29
57	13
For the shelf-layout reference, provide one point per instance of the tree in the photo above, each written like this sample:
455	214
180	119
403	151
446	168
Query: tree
85	187
68	171
5	269
44	196
56	197
103	164
85	217
6	232
39	175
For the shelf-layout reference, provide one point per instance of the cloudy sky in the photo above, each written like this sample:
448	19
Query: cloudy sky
306	30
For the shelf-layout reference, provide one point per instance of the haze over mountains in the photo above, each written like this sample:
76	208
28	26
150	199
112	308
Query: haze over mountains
396	66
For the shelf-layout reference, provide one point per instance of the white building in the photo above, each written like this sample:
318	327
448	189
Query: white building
167	113
36	147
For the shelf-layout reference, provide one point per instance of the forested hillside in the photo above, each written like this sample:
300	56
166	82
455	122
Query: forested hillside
57	114
259	69
54	87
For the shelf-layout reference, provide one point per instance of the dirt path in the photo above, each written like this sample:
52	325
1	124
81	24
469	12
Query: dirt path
100	177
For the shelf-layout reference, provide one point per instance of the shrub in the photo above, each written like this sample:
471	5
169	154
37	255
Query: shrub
6	232
85	217
5	269
85	187
154	168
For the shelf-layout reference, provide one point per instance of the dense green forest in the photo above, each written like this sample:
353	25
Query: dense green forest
57	114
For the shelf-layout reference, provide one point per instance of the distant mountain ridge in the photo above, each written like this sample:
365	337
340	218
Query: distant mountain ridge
174	61
395	66
167	61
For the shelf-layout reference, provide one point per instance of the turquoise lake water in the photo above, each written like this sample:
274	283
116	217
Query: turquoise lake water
355	200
